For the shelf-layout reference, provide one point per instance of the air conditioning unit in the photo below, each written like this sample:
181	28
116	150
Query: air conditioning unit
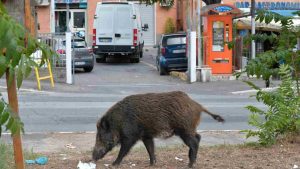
165	3
42	2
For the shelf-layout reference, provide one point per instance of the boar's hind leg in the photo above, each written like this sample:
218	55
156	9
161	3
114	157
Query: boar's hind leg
149	144
192	141
126	145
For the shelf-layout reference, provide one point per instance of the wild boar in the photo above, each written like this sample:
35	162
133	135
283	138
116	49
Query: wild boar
147	116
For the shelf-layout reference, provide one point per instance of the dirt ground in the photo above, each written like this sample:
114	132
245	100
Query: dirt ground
284	155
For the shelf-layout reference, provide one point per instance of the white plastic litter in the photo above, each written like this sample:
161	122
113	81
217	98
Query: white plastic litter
70	146
82	165
295	166
106	165
179	159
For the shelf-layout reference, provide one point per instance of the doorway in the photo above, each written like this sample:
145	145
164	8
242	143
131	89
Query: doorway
77	21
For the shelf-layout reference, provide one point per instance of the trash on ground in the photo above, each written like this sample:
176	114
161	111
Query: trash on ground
30	161
39	160
179	159
106	165
70	146
295	166
89	165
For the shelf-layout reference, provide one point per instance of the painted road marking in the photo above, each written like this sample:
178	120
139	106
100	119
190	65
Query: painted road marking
27	90
148	64
254	91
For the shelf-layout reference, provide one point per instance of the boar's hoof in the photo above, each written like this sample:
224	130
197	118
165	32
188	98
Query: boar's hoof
190	165
116	163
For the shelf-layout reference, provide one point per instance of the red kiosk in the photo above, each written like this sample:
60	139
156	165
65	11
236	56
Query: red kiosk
217	30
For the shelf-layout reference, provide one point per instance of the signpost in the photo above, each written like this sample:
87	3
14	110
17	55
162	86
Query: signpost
253	28
68	48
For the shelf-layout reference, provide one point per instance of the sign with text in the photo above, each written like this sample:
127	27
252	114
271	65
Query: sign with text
266	4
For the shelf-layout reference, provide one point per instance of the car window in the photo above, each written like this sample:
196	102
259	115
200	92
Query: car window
174	40
76	43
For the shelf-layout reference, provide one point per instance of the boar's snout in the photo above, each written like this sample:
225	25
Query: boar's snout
98	153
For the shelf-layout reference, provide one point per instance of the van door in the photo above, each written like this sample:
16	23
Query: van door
123	25
104	26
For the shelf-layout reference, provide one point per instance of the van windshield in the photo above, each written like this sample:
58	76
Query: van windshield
106	18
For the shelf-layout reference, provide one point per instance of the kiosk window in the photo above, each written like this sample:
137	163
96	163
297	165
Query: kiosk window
218	37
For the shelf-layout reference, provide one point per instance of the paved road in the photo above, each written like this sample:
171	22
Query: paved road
77	107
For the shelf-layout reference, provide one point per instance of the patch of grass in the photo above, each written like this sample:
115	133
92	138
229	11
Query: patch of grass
7	156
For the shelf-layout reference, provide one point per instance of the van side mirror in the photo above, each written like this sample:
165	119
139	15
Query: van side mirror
133	16
145	27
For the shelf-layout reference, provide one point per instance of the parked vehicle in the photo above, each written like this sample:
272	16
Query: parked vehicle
118	31
82	55
171	53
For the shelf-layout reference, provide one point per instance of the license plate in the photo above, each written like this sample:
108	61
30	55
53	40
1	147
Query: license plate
105	40
79	63
179	51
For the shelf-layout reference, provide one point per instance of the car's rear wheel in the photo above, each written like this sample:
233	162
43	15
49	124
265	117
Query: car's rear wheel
88	69
162	71
141	54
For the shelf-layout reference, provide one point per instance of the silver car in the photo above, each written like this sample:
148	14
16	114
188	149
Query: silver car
82	55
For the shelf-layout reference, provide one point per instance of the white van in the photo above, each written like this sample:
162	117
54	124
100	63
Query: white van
118	30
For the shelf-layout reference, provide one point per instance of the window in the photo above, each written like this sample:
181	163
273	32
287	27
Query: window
218	37
175	40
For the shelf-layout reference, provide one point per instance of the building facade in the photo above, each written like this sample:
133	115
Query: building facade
52	18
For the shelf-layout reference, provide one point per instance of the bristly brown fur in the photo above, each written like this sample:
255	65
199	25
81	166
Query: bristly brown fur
146	116
160	113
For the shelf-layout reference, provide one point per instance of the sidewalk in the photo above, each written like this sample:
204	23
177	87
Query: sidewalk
83	142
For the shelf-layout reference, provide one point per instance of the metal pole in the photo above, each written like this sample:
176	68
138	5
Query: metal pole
199	34
68	48
69	58
68	20
253	28
188	22
52	16
192	58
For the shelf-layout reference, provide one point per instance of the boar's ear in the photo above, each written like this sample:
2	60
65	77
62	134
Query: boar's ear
105	124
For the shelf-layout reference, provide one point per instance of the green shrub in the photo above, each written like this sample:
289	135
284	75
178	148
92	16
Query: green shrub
282	117
169	26
283	114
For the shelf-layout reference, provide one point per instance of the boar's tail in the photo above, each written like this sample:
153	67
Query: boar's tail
215	116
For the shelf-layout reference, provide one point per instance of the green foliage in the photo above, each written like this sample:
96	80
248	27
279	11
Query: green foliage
283	114
16	49
169	26
266	64
7	156
8	119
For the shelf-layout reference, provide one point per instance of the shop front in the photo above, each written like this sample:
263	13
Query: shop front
77	16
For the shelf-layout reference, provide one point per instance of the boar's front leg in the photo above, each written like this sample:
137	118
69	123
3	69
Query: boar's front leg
149	144
126	144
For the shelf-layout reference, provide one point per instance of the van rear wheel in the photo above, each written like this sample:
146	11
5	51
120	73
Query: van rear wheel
134	60
101	59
